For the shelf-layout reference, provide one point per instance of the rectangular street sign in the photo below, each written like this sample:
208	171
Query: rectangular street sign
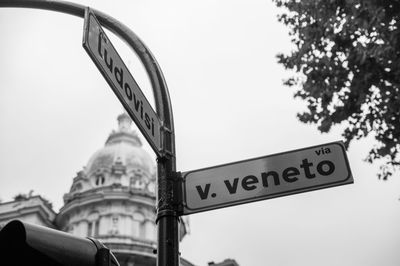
266	177
111	66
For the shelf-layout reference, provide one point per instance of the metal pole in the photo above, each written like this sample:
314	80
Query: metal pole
168	188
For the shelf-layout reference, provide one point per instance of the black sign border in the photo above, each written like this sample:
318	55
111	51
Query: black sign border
88	13
348	180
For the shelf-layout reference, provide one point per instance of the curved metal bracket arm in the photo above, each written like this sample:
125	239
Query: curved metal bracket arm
159	86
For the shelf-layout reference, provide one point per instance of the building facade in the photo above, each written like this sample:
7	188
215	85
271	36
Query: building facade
30	209
111	199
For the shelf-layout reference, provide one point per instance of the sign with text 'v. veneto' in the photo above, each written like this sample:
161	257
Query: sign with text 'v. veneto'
110	64
266	177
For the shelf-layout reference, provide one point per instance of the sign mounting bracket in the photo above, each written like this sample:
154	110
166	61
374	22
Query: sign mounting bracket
166	135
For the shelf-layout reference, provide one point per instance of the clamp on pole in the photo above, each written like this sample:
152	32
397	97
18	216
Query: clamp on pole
166	137
174	206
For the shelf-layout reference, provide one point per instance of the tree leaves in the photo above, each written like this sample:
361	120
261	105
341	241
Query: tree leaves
347	64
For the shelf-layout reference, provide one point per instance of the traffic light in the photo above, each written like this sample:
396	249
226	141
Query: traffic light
27	244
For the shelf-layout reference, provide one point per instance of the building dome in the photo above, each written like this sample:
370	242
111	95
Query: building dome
122	153
121	162
113	199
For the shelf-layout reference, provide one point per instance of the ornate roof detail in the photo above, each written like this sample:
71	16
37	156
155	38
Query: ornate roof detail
124	132
121	162
118	168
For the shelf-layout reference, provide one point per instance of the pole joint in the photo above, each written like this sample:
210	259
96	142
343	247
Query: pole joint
171	204
166	142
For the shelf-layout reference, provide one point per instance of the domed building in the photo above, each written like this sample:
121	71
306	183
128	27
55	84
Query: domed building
111	199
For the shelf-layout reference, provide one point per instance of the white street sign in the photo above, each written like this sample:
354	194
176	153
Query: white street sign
266	177
110	64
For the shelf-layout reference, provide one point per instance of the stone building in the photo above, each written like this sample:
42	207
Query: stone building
111	199
31	209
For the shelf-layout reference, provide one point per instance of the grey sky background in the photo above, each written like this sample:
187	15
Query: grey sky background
229	104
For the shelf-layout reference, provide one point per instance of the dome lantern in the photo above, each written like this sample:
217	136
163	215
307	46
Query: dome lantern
124	122
124	133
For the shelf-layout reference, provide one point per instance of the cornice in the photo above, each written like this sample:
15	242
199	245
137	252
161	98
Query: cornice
96	196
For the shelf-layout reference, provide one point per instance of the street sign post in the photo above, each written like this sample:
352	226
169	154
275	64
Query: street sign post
160	135
111	66
266	177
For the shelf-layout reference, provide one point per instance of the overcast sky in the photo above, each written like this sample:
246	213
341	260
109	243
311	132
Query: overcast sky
229	104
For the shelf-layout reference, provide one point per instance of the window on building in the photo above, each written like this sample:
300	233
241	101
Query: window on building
114	225
100	180
96	228
93	221
90	229
136	180
138	225
93	228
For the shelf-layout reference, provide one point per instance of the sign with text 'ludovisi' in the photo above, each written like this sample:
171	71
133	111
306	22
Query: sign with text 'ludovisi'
266	177
111	66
